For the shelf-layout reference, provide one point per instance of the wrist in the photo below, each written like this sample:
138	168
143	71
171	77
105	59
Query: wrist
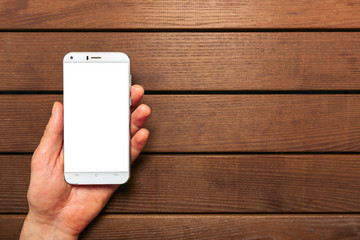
35	229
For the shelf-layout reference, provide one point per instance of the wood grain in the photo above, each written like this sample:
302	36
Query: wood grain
214	226
192	61
174	14
213	123
216	183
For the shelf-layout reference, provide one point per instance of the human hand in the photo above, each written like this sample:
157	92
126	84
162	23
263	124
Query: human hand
58	210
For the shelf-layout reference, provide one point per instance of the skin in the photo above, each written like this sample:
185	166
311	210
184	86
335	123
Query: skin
58	210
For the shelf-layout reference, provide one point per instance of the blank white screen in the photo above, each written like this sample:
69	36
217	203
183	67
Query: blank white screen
96	117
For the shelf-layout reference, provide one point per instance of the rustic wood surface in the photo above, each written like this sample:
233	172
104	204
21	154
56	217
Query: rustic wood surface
174	14
192	61
215	226
217	183
255	156
213	123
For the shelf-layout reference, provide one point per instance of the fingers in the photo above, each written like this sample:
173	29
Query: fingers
137	92
51	142
139	117
138	142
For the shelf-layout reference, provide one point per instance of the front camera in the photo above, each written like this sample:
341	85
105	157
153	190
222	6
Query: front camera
71	57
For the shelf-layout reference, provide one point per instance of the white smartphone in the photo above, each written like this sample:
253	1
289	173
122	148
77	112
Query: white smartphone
97	103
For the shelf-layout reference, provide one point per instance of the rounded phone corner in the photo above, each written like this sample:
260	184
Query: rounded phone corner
126	179
68	179
123	57
66	57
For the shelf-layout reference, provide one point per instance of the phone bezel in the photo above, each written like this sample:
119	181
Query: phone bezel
95	178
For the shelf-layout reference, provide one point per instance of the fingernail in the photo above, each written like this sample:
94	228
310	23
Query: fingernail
53	110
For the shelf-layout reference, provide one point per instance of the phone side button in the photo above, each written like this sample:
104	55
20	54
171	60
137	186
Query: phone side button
130	82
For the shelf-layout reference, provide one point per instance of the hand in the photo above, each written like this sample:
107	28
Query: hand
58	210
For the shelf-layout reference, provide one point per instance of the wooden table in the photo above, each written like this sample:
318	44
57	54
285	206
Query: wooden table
255	130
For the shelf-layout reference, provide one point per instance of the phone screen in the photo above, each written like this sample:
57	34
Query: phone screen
96	117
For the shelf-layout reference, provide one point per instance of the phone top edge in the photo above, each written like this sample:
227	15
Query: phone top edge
96	57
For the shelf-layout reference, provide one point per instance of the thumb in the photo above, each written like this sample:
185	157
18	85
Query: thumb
51	142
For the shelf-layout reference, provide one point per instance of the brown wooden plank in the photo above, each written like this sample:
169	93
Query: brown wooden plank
112	14
217	183
213	123
14	182
226	227
193	61
214	226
